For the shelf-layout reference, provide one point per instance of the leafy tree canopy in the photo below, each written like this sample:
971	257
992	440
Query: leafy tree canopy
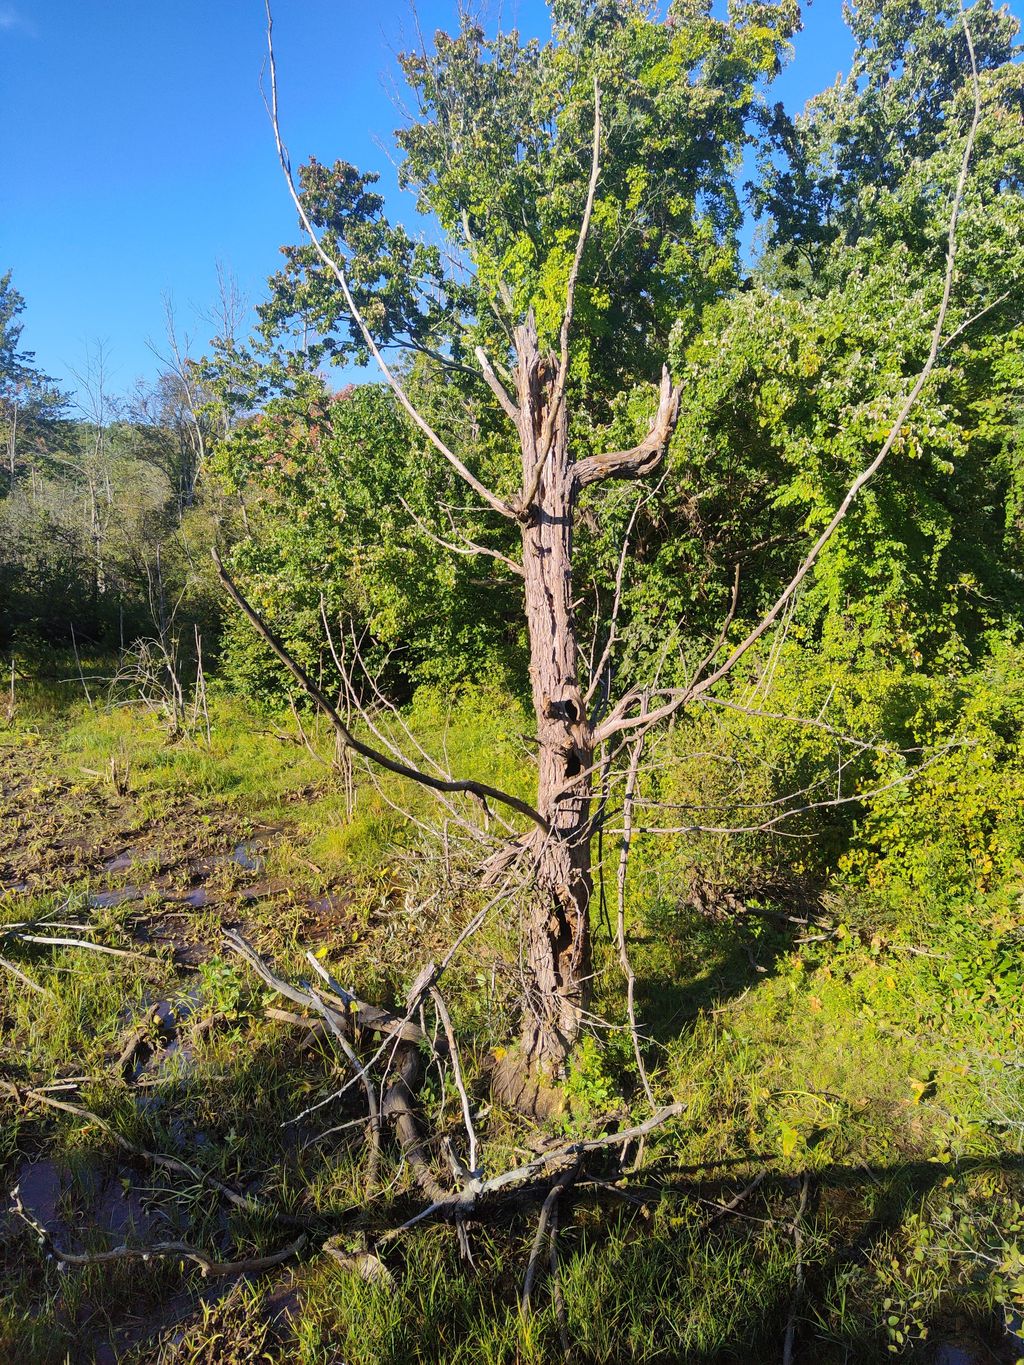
498	154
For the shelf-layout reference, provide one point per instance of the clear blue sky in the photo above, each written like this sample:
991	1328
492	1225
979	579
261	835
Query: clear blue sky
137	152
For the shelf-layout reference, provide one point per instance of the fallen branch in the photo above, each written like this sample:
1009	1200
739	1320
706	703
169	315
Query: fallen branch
371	1094
453	1052
369	1016
399	1107
533	1173
548	1210
83	943
26	980
167	1163
732	1205
181	1251
798	1289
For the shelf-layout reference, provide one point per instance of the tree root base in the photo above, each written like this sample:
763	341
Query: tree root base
520	1086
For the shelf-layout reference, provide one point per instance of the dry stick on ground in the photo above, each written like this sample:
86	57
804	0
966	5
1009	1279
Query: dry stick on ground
370	1016
92	947
180	1251
167	1163
398	1101
556	1288
380	1020
548	1209
798	1291
732	1206
330	1019
619	718
26	980
337	1032
399	1107
453	1053
139	1042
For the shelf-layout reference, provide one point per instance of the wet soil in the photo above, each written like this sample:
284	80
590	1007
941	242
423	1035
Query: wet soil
159	870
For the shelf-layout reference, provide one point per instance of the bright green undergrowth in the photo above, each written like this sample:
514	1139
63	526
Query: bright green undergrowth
875	1048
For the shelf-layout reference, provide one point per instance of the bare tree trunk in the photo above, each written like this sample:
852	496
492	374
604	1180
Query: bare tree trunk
557	937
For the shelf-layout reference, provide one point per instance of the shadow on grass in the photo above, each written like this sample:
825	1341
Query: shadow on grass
759	1285
702	964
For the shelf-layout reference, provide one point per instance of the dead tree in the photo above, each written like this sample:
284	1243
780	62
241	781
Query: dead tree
556	942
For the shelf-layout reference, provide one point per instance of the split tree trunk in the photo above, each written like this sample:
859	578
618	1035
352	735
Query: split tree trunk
557	937
556	941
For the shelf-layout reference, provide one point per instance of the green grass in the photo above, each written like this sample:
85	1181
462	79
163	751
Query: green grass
881	1062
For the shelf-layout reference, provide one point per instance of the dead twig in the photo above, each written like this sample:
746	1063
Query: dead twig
453	1053
798	1291
370	1016
181	1251
548	1212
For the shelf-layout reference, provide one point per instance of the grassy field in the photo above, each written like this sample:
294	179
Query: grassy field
845	1181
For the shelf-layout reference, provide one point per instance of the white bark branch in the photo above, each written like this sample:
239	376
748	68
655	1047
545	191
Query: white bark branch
336	270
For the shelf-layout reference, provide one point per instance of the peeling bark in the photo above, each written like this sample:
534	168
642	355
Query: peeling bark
557	939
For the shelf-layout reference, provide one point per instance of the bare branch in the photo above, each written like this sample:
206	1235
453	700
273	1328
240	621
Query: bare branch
469	547
577	260
597	671
496	386
463	1203
370	1016
336	270
618	719
620	929
158	1159
563	1182
894	431
453	1050
370	1090
181	1251
479	789
642	459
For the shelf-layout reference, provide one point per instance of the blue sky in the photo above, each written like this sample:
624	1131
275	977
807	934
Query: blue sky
137	152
